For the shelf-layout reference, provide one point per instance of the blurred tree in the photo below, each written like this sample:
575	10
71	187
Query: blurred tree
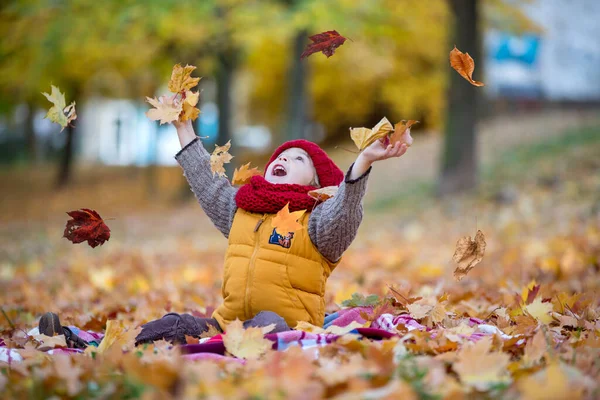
459	160
464	101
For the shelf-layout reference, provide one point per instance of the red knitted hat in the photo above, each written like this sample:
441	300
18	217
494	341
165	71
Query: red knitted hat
329	174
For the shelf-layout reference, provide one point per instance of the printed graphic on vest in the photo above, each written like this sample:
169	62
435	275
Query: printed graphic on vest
283	241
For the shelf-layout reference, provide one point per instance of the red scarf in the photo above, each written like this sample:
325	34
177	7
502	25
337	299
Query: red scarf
261	196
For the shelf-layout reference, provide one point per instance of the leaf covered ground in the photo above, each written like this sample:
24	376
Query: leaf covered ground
536	288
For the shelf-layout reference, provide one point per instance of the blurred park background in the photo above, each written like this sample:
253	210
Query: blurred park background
520	149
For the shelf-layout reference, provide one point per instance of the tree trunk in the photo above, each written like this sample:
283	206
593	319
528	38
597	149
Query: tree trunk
298	99
459	162
66	164
32	146
224	77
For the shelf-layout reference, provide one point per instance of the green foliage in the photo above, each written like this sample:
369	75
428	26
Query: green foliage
359	300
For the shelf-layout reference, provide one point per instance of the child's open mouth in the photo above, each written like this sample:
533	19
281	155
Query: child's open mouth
279	170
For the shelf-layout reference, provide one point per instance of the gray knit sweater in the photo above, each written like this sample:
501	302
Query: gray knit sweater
332	225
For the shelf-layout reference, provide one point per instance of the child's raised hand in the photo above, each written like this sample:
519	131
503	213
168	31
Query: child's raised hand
382	150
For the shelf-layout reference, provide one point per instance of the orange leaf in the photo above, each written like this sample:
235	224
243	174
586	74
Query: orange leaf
286	222
402	132
243	175
464	65
468	254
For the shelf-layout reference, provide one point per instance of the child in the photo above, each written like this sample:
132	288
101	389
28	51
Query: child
272	278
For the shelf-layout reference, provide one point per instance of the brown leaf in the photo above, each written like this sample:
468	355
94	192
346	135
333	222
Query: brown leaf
181	79
468	254
86	224
286	222
323	194
325	42
464	65
402	132
219	157
243	175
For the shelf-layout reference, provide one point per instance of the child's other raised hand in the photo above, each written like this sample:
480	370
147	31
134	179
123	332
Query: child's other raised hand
382	150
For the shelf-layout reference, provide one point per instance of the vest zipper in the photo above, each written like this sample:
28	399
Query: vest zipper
251	266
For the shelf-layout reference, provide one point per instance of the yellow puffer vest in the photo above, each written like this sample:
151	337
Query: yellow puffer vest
267	272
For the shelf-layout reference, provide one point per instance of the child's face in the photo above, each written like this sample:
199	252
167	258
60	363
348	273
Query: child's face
292	166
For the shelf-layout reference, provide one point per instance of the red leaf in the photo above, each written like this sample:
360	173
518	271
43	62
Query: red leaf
87	225
325	42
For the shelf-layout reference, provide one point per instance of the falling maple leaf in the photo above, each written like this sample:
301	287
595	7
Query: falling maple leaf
60	113
165	109
402	132
220	156
248	343
324	193
464	65
86	224
325	42
243	175
363	137
286	222
468	254
181	79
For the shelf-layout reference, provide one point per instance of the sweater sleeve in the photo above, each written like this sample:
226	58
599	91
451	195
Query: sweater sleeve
333	224
215	194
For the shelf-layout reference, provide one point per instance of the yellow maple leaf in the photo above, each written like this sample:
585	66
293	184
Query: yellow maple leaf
286	222
190	112
219	157
479	368
363	137
540	311
549	384
468	254
117	335
60	113
402	132
243	175
181	78
165	109
246	343
324	193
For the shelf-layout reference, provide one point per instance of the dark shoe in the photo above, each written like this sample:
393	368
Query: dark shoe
50	326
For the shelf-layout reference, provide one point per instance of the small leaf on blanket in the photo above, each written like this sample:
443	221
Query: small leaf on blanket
50	342
359	300
212	331
191	340
246	343
342	330
308	327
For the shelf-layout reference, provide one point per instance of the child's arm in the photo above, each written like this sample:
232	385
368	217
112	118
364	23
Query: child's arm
215	194
333	224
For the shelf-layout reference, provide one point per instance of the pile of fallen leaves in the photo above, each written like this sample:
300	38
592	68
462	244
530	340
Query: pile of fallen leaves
524	323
